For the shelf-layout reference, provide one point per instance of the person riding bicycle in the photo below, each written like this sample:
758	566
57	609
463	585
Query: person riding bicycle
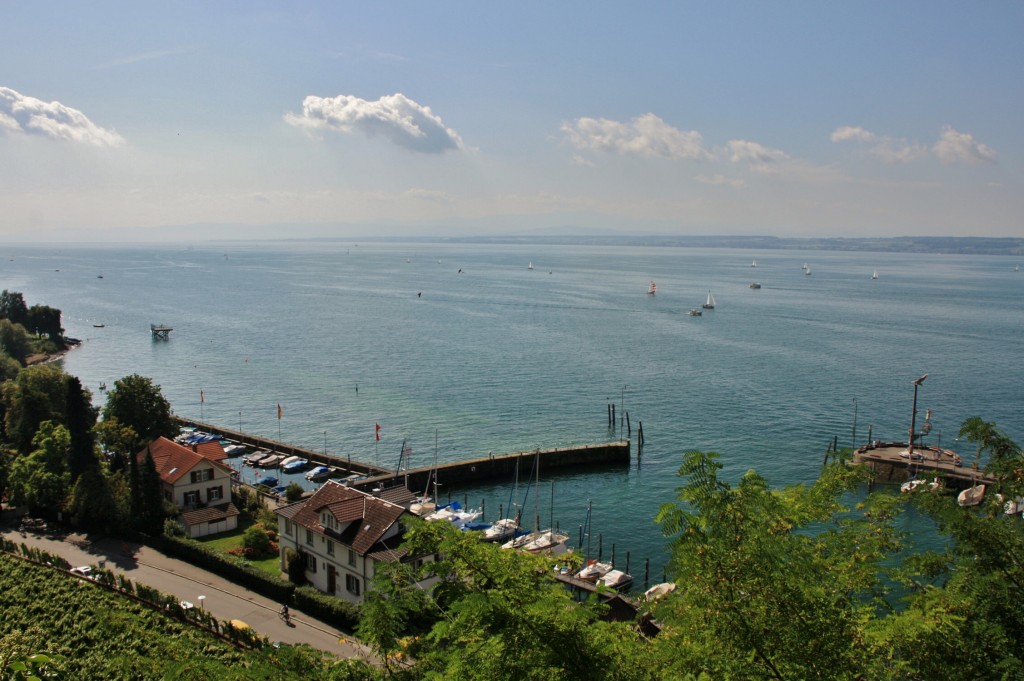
284	612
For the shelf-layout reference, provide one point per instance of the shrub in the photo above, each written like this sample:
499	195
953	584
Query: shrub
293	492
336	611
256	542
172	528
295	563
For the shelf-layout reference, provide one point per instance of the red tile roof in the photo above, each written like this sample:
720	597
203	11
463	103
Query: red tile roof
173	461
369	517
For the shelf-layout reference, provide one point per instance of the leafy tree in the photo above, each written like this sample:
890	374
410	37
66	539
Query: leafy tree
41	480
81	419
38	394
44	320
1004	462
151	515
12	307
771	585
93	502
117	441
9	367
497	615
136	402
14	341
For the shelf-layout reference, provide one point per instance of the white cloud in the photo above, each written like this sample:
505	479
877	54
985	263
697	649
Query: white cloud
755	154
645	135
394	117
21	113
960	147
847	132
720	180
952	147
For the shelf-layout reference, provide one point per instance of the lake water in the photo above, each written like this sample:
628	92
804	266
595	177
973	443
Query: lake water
500	358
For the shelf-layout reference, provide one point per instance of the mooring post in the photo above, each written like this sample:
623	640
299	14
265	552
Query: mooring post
483	509
608	407
580	542
600	545
627	562
613	416
640	433
613	555
647	572
629	429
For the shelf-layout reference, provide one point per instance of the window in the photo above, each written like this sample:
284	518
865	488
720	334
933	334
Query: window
311	563
352	584
191	498
309	540
288	527
351	557
330	547
215	493
202	476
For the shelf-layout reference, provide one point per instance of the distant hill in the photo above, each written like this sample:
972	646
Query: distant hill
900	244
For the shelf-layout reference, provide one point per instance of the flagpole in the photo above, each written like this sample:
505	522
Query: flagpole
201	400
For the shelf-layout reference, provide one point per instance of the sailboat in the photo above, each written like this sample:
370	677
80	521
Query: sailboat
710	303
971	496
547	542
754	263
653	288
530	266
874	275
807	270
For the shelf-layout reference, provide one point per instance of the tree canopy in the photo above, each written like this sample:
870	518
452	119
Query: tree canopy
137	403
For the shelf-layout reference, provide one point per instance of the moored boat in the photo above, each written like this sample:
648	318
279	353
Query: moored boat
971	496
319	473
270	461
501	530
709	304
296	464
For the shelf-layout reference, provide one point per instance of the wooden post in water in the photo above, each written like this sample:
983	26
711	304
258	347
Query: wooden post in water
613	555
640	434
629	429
627	561
613	416
600	545
611	419
483	509
501	511
647	572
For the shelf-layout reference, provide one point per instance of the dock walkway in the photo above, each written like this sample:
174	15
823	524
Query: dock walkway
890	462
450	475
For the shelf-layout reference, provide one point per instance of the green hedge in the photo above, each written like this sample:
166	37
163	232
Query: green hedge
193	552
331	609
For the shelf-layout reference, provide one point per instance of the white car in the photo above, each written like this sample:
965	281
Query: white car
83	571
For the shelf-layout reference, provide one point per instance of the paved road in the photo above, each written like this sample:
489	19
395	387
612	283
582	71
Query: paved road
224	599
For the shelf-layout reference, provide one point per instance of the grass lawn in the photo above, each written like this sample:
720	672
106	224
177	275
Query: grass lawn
226	541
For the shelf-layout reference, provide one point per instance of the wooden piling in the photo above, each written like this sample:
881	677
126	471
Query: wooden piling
647	573
629	429
600	546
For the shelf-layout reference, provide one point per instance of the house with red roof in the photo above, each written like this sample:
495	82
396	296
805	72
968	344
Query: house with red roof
196	480
344	534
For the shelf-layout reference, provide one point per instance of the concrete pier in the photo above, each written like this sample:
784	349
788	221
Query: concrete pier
499	467
502	467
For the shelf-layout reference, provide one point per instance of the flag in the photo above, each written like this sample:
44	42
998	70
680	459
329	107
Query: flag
202	398
279	411
377	431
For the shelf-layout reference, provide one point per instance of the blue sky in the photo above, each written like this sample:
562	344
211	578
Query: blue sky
139	121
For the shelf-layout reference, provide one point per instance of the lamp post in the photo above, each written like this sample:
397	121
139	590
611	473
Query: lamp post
913	414
202	605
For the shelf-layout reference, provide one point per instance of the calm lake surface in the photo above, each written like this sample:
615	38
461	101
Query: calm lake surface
500	358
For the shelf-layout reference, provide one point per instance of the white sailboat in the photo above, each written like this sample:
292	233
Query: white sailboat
971	496
545	542
874	275
653	288
710	303
807	270
754	263
530	266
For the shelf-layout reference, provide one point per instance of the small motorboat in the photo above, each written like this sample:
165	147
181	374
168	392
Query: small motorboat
294	464
616	579
659	591
267	481
319	473
501	530
755	285
594	571
695	312
270	461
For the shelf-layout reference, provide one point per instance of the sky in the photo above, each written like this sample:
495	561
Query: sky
129	121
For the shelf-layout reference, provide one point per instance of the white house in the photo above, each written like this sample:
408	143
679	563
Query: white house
198	483
344	534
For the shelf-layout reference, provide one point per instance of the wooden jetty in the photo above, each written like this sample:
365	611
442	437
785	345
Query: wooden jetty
448	475
892	462
160	331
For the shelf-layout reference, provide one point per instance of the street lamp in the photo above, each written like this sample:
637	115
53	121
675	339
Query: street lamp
201	603
913	415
